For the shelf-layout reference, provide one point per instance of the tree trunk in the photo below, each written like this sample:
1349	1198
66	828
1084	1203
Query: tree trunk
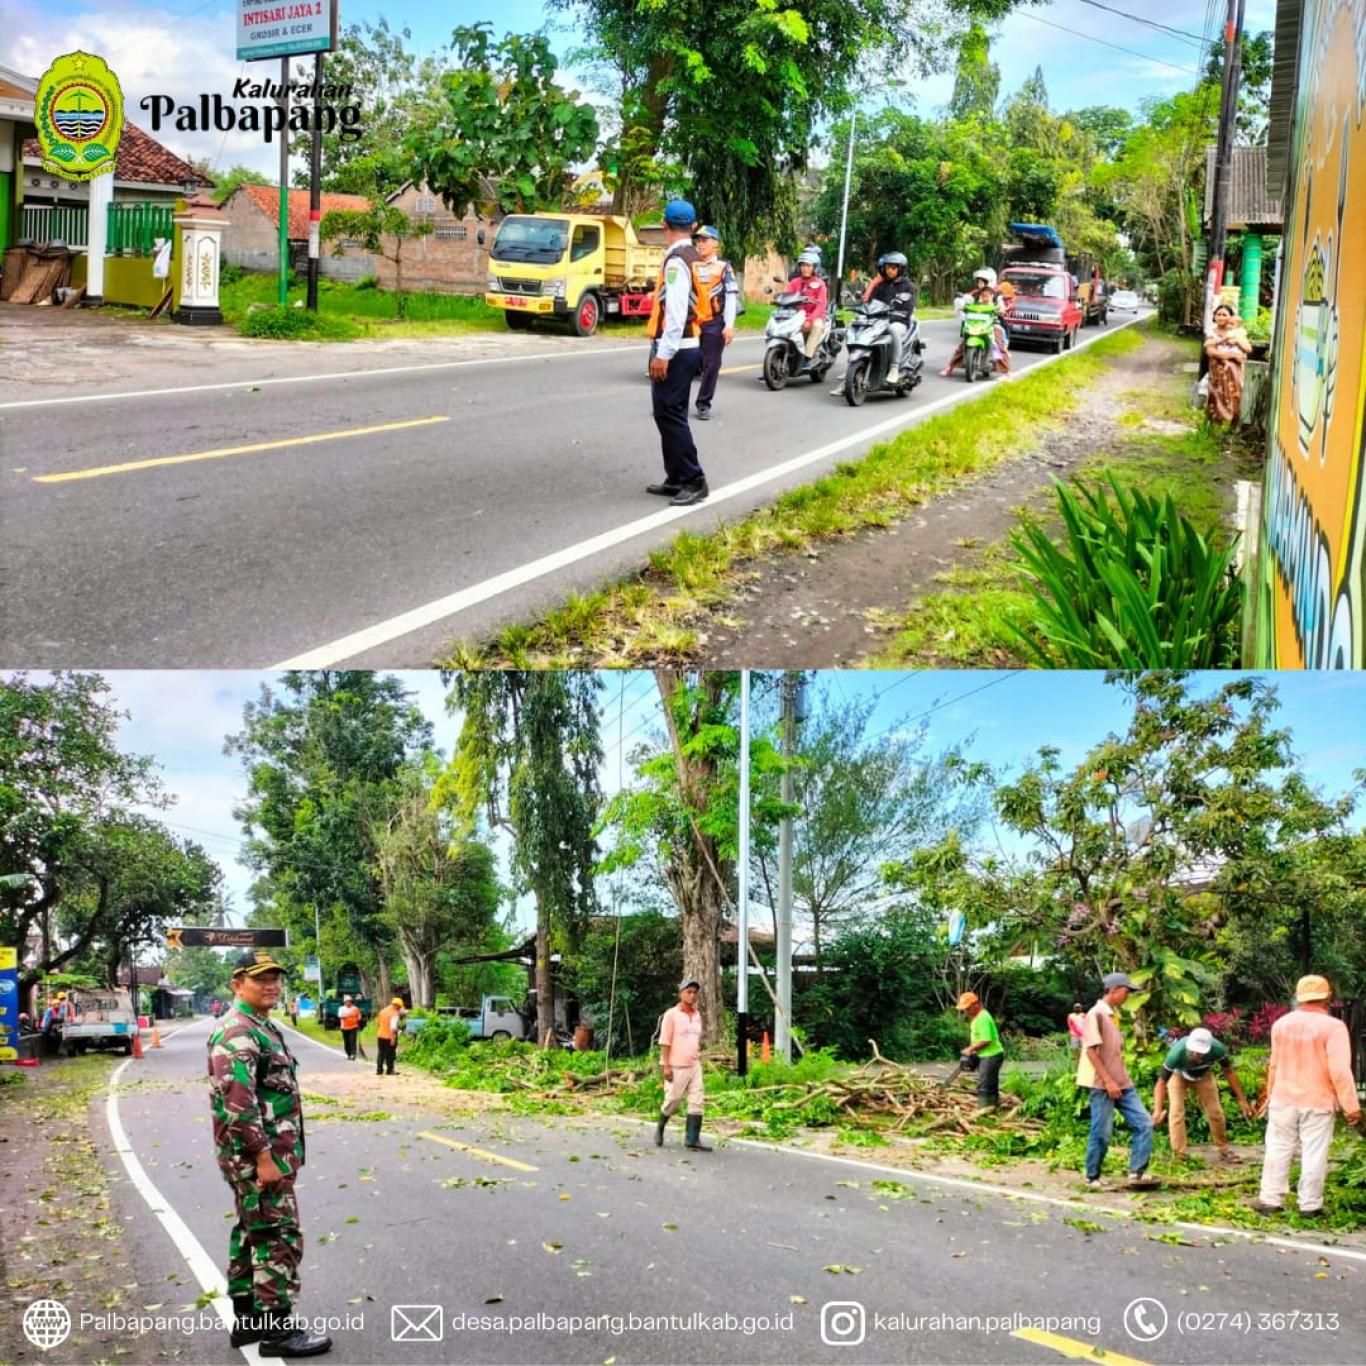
398	277
386	989
641	137
545	995
695	870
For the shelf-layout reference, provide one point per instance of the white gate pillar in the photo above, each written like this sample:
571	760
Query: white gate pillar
201	250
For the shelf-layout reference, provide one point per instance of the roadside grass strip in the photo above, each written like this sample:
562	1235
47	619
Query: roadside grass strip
656	615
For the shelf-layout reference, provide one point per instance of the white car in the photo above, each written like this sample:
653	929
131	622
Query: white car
1124	301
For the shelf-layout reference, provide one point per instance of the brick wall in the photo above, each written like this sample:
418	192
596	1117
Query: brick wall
447	261
252	240
759	273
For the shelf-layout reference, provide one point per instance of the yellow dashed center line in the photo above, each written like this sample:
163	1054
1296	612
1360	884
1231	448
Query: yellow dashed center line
99	470
1071	1347
736	369
478	1152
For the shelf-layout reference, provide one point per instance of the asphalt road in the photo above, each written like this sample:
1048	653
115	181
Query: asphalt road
374	517
604	1226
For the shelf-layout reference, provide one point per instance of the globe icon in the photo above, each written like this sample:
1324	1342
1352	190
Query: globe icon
47	1323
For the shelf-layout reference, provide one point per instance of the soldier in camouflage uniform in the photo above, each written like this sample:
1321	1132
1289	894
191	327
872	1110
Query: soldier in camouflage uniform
258	1130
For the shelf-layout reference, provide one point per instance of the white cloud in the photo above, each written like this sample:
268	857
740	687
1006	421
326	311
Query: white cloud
153	51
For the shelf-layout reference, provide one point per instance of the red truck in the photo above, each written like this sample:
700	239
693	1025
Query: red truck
1050	305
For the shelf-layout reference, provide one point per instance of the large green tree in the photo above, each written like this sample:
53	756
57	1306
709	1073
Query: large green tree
440	890
721	97
323	752
66	789
505	136
527	761
393	87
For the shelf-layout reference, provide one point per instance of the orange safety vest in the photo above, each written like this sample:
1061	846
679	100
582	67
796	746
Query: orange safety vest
386	1028
699	295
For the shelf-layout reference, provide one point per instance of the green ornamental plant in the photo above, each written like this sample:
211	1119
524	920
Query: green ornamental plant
1132	585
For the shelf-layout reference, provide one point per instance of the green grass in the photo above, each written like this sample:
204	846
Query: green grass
656	615
966	622
352	311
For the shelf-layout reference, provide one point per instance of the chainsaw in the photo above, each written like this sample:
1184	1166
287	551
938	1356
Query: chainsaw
967	1062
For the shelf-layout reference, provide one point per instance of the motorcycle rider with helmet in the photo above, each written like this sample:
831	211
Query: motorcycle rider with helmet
891	286
815	301
984	291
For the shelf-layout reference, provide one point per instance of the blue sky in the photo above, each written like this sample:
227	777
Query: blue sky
183	47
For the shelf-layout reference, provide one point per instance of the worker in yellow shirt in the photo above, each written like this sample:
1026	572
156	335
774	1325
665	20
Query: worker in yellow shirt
387	1024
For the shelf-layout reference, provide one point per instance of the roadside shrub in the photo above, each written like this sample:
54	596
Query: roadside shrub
230	275
1259	1026
441	1045
1133	585
296	324
367	282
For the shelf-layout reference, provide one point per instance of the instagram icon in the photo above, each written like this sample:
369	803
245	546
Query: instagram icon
842	1323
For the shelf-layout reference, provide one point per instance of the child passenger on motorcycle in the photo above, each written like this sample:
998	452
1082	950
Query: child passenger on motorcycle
891	286
815	300
984	291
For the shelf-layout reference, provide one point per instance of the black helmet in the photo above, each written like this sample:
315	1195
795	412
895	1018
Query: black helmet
892	258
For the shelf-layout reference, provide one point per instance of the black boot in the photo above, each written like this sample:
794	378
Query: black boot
659	1129
290	1337
690	494
667	489
693	1135
248	1323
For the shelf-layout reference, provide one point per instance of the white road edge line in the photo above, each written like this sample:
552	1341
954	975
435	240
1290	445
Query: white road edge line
203	1267
1010	1193
336	374
382	632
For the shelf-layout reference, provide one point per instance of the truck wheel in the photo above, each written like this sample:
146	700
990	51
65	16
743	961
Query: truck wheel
586	315
775	368
128	1049
518	322
499	1035
856	382
1060	345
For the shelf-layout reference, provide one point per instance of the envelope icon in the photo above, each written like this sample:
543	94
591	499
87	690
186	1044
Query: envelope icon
416	1323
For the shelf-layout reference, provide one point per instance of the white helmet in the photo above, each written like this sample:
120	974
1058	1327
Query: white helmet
986	273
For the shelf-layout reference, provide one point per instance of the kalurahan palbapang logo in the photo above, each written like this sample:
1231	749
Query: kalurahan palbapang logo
78	110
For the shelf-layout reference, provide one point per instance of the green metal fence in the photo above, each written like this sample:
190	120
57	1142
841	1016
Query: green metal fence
134	226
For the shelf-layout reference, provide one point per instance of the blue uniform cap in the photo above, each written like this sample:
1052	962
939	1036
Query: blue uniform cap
678	213
708	231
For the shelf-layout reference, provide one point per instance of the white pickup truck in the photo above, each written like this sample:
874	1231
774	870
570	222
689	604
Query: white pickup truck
104	1019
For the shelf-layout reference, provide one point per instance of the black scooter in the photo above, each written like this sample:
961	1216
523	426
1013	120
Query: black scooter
869	340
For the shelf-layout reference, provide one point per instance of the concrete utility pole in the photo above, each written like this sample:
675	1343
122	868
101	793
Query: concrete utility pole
1223	155
284	182
782	1022
742	934
315	184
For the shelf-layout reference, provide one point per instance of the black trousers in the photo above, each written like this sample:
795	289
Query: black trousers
713	348
349	1042
989	1080
388	1056
670	397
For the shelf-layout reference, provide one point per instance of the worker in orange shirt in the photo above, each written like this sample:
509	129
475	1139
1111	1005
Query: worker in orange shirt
1308	1080
387	1024
349	1019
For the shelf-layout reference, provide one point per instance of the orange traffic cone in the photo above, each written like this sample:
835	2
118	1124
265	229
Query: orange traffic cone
156	1037
765	1049
137	1043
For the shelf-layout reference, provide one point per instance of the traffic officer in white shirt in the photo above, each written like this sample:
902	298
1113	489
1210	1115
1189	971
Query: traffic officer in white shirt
675	329
719	277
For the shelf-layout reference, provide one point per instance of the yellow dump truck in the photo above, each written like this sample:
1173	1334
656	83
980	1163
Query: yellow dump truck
573	267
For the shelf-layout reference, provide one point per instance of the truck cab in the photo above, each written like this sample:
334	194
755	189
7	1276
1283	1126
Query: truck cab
572	267
1047	307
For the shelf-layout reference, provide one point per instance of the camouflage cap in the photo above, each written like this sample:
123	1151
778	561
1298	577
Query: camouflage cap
255	964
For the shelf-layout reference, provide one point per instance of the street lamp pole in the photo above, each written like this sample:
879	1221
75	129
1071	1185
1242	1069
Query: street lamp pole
844	210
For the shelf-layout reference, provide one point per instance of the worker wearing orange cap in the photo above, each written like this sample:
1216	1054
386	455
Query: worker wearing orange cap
387	1024
1308	1080
984	1043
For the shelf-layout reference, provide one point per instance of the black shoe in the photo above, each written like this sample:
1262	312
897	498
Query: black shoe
690	494
659	1129
248	1323
703	414
693	1137
286	1337
664	490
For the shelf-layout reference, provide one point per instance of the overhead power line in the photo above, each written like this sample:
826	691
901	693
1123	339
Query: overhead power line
1148	23
1091	37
